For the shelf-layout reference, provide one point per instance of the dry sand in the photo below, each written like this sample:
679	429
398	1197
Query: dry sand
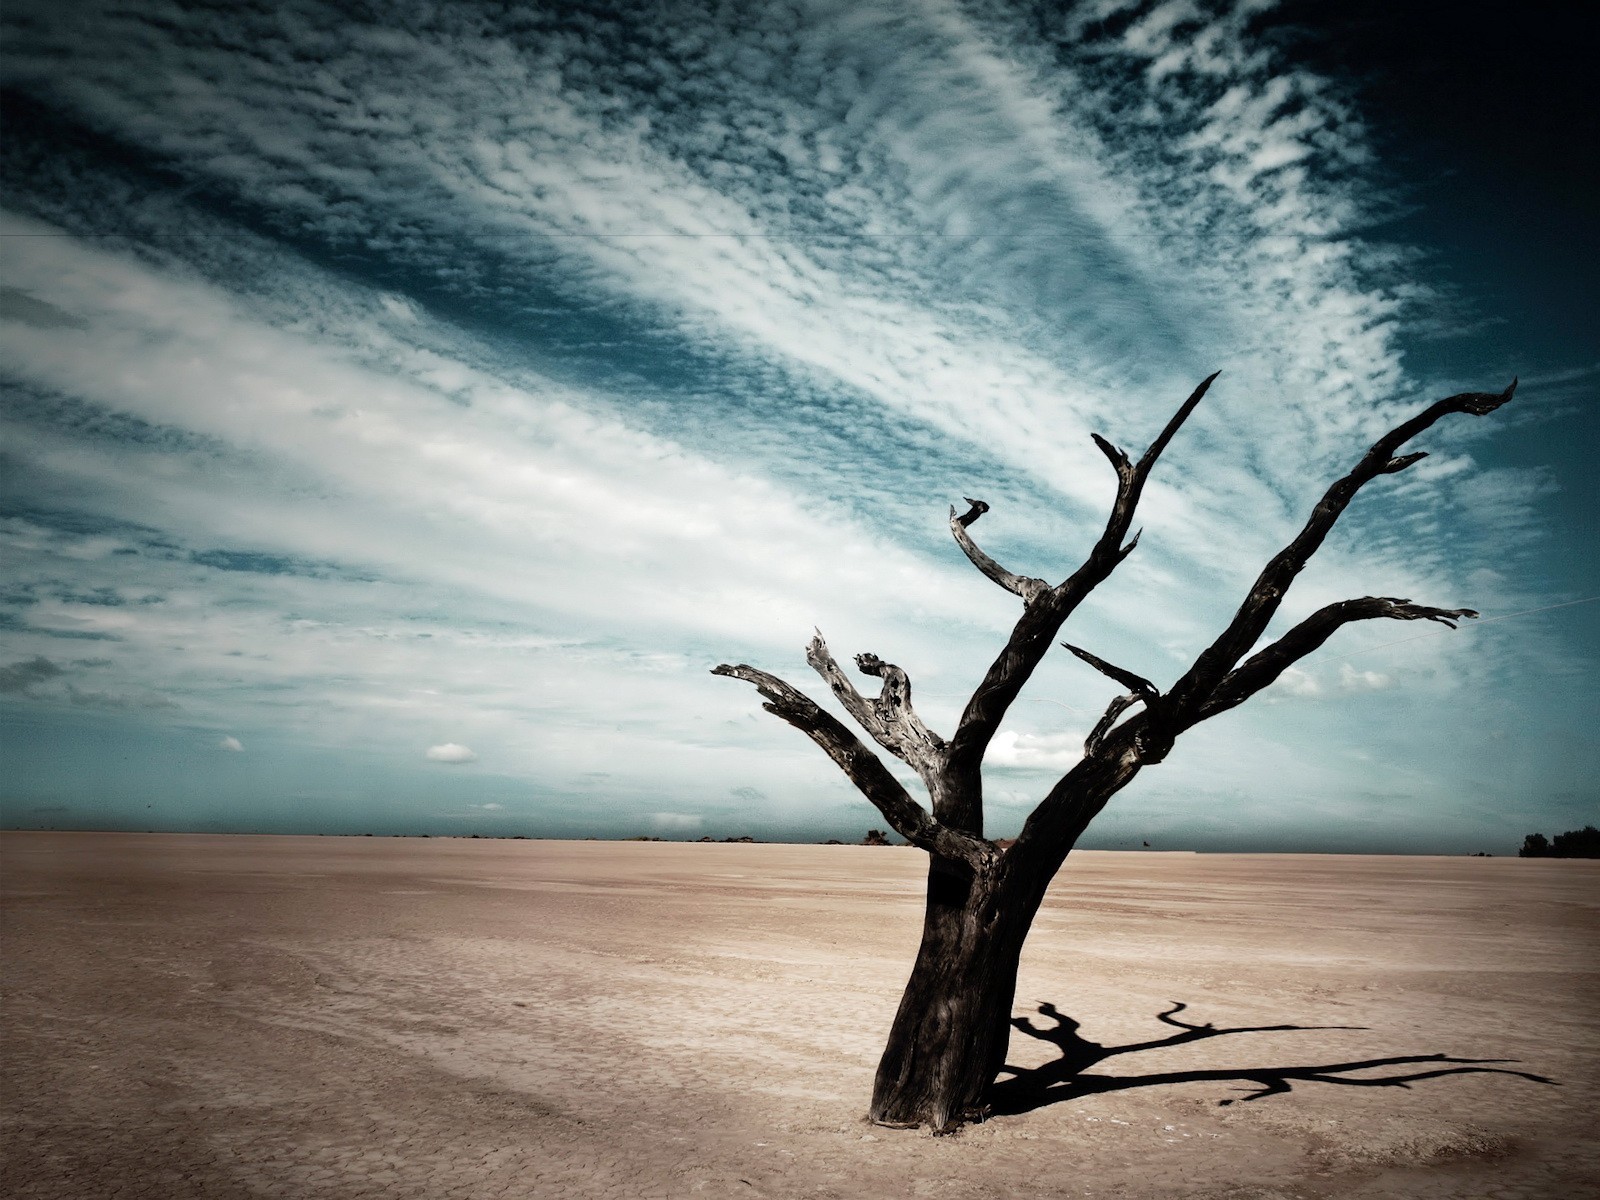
195	1016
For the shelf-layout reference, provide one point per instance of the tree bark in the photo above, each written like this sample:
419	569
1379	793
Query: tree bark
949	1037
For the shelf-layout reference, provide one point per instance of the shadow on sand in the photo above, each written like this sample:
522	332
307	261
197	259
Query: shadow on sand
1067	1079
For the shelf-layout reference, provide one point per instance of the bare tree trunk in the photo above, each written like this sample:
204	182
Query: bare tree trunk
950	1034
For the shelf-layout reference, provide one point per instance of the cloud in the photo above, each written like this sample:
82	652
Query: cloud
646	350
1010	797
1035	751
450	752
20	676
20	306
1352	679
675	822
231	743
86	698
1296	682
1305	684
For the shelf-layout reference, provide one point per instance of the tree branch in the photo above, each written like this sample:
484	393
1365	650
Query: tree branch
1131	546
1178	418
1192	692
1119	460
1042	619
1021	585
1131	478
1141	686
1115	753
1262	669
889	717
1115	709
979	507
905	816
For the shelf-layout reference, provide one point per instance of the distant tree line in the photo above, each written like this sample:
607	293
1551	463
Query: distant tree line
1575	843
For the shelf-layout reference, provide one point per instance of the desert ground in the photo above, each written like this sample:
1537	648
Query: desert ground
210	1016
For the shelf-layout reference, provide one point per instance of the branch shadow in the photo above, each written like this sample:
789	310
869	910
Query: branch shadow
1067	1078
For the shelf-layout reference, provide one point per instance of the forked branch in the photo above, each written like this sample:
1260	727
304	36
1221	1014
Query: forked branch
1115	752
1043	617
888	717
1131	478
1261	669
864	769
1191	694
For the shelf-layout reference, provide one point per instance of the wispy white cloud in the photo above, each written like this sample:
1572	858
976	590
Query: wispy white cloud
534	365
451	752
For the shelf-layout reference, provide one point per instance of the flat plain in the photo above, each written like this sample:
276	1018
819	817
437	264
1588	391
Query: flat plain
221	1017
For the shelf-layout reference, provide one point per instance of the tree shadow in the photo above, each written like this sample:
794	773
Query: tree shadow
1067	1079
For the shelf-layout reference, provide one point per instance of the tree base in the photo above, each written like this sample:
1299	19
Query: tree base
950	1034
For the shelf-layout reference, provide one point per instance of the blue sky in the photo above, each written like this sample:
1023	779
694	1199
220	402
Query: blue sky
400	417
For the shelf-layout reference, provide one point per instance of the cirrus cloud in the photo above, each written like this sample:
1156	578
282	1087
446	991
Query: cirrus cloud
501	373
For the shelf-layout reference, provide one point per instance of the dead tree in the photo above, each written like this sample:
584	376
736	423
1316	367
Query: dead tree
949	1036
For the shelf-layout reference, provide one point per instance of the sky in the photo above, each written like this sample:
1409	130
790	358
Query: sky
402	408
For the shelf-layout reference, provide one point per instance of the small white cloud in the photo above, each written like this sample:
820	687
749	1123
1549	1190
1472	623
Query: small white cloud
231	743
675	821
1352	680
487	807
450	752
1052	751
1296	682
